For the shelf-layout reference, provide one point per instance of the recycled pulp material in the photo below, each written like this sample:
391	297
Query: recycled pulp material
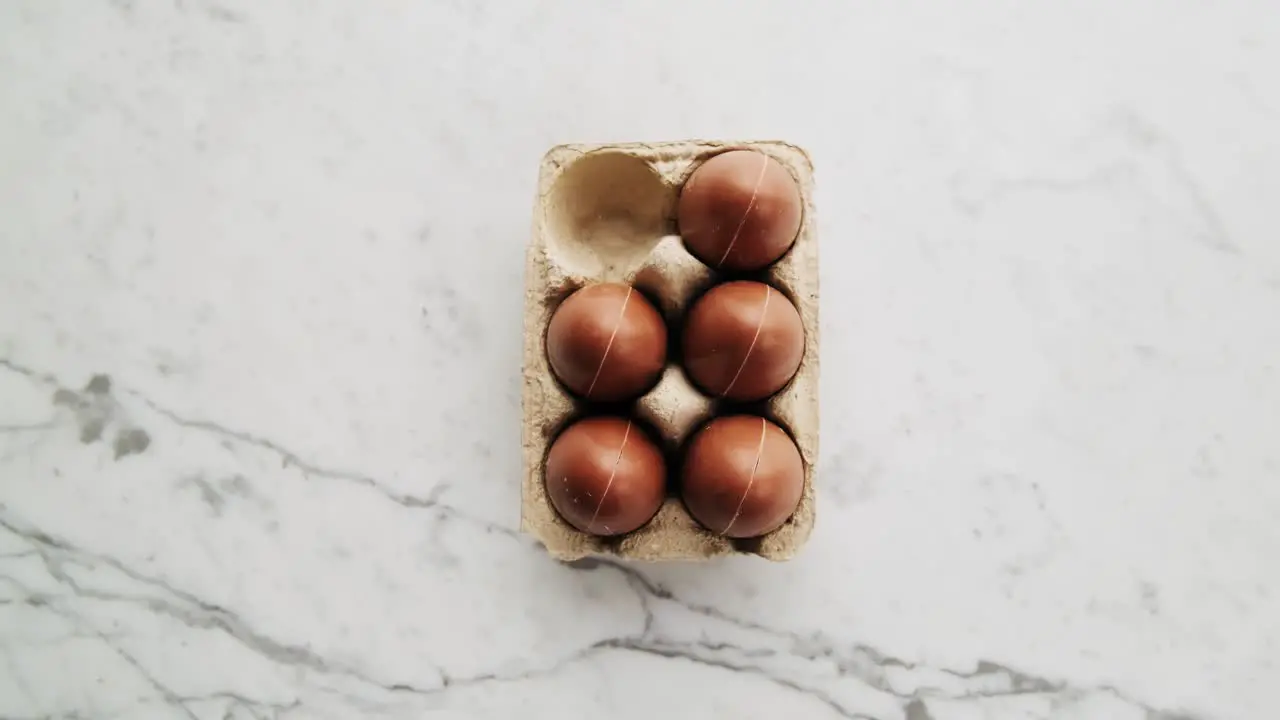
606	213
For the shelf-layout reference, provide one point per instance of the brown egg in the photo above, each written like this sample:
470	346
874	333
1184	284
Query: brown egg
605	476
740	210
607	342
743	340
742	476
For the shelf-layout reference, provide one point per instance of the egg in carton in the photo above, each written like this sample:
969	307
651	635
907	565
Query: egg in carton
606	213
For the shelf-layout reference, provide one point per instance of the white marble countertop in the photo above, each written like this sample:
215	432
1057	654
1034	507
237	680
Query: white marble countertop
260	288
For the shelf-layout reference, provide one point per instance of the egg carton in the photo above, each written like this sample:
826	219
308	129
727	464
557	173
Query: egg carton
606	213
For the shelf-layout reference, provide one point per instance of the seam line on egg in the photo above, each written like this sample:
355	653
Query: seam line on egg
764	428
614	473
755	192
768	292
621	313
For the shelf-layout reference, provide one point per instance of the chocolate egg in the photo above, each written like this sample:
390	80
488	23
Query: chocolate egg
607	342
742	340
742	476
605	476
740	210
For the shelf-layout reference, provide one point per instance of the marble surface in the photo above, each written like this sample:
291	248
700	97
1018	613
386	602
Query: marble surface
260	270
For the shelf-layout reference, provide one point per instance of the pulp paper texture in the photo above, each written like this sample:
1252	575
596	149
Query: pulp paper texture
606	213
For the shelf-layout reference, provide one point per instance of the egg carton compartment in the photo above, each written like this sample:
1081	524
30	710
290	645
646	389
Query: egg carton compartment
606	213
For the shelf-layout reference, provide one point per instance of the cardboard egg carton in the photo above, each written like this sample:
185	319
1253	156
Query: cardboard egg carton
606	213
